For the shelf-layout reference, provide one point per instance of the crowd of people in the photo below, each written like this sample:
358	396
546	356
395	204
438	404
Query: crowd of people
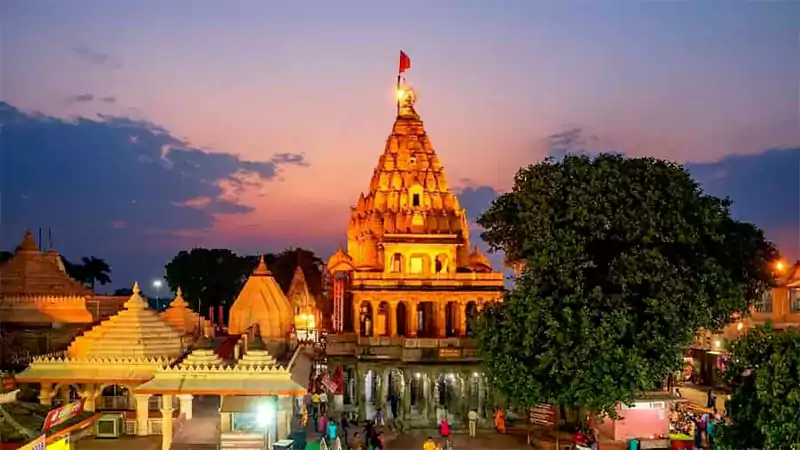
697	425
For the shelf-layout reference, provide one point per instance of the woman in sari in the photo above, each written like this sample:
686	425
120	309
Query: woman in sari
500	420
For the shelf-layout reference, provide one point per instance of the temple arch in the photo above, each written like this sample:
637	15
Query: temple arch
382	319
400	319
366	322
471	311
451	319
116	397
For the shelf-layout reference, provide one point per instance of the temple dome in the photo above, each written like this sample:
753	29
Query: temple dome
203	354
340	261
134	332
33	273
478	261
180	316
257	354
261	302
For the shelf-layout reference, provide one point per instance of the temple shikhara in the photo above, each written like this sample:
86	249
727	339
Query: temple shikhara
41	308
405	287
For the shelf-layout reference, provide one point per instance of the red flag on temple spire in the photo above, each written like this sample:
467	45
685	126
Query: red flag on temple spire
405	62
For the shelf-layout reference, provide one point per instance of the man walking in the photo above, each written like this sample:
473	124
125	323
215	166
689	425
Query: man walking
473	422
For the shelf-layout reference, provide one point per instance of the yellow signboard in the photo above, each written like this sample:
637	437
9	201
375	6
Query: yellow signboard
36	444
60	444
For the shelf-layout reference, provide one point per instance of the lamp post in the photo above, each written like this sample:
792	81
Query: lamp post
158	284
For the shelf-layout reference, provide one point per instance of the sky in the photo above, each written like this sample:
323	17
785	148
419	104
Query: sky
136	129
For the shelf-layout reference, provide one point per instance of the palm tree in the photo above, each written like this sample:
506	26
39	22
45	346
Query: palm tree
95	270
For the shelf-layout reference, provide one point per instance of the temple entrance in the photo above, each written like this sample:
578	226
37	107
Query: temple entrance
64	394
382	320
417	388
449	397
394	391
451	319
472	311
366	319
477	393
400	319
349	391
116	397
372	393
426	320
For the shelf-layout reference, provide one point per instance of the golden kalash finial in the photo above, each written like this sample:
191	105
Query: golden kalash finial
406	97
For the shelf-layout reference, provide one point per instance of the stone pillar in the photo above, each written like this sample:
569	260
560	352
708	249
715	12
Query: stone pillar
142	414
441	322
392	319
46	394
284	417
360	398
405	404
462	319
375	304
166	421
411	320
357	314
89	394
186	405
384	392
236	352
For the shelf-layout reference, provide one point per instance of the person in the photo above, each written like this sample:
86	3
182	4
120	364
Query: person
447	445
710	399
345	427
368	430
337	444
378	418
429	444
678	392
323	402
710	426
380	440
500	420
473	422
333	430
393	405
444	428
315	409
357	444
323	424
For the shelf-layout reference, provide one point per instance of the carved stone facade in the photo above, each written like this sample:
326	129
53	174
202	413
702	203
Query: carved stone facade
406	287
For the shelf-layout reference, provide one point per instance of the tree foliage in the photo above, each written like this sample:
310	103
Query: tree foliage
89	271
5	256
213	277
764	410
624	260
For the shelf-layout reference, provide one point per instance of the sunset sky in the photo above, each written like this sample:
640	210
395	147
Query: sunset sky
139	128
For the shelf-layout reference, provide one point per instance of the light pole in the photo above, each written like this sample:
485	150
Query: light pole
158	284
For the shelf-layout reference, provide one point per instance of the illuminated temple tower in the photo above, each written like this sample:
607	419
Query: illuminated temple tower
406	285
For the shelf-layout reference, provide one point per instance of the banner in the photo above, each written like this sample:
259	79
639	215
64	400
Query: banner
37	444
543	414
62	414
60	444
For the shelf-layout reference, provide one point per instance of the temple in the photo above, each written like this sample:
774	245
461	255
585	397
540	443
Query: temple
183	319
41	307
143	369
405	287
261	302
306	315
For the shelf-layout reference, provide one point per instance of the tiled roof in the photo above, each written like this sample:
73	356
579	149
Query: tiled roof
33	273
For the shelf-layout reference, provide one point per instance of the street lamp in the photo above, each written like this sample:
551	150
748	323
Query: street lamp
157	284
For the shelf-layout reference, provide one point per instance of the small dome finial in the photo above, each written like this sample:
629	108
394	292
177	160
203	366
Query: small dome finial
136	301
136	289
262	268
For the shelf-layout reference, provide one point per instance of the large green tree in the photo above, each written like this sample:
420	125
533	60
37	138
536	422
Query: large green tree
208	277
764	410
624	260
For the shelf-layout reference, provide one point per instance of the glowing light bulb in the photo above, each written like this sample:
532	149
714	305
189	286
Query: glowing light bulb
739	326
779	266
400	94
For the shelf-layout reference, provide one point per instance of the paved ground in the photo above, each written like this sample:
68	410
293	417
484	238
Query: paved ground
698	395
